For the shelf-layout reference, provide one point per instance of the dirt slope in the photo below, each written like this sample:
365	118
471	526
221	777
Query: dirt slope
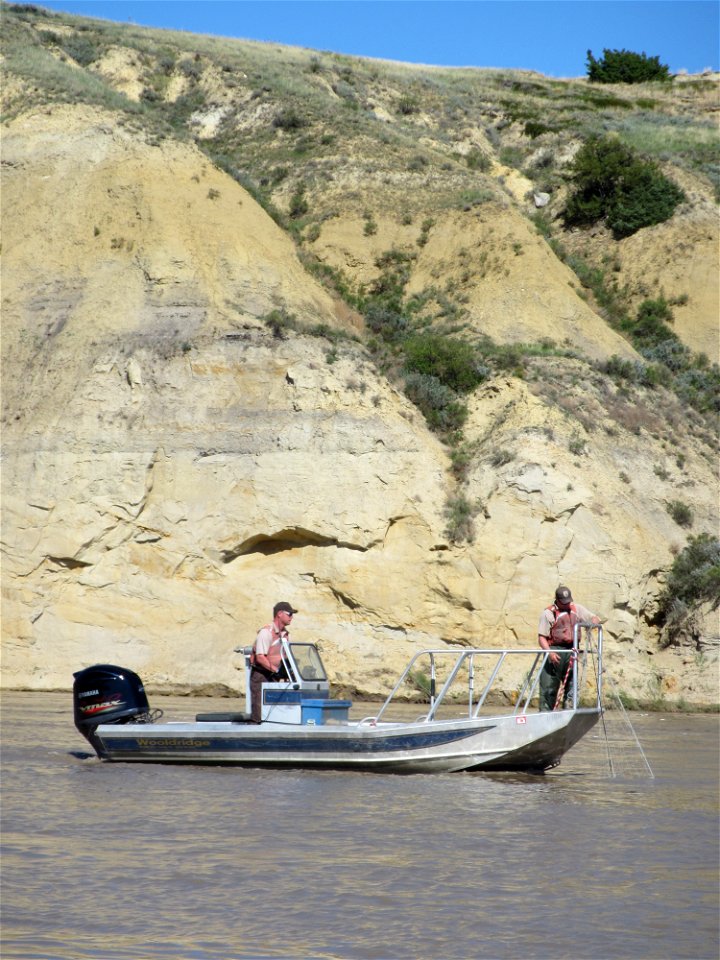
175	461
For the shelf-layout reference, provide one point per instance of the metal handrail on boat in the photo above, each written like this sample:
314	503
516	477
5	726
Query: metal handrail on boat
466	656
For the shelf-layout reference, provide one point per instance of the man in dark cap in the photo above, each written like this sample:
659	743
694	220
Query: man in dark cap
555	632
266	659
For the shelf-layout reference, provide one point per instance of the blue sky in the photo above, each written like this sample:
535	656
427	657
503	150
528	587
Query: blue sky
550	36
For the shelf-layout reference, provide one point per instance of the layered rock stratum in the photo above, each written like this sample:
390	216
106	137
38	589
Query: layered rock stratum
174	463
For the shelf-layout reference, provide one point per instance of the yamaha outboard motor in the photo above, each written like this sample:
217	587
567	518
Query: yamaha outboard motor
107	694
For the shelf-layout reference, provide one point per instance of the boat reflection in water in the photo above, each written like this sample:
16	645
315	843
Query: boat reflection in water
460	726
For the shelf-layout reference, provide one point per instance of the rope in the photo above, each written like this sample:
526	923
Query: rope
561	689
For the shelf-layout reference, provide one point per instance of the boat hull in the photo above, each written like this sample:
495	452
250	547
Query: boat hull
532	742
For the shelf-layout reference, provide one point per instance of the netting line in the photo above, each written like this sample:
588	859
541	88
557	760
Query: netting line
622	744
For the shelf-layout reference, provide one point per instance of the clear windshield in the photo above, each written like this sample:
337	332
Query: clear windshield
308	662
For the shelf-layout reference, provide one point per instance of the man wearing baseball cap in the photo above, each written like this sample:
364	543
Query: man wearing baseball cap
555	632
266	659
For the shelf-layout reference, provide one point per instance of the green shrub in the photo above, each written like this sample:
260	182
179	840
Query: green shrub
692	377
543	223
595	173
279	174
427	225
694	579
459	513
442	408
150	95
577	445
508	357
370	227
695	574
298	203
644	196
628	701
347	93
407	105
453	362
417	163
477	160
288	119
468	199
680	512
388	289
536	128
391	325
80	48
612	183
27	8
500	457
166	64
279	322
620	369
624	66
462	457
192	69
650	329
699	386
421	681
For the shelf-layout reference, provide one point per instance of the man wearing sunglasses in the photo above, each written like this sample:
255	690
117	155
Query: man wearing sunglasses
266	658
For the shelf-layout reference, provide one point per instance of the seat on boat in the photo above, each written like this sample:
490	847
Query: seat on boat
223	718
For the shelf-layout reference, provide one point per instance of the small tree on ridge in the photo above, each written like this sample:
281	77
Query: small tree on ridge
624	66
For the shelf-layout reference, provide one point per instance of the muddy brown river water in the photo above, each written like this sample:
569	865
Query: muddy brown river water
135	862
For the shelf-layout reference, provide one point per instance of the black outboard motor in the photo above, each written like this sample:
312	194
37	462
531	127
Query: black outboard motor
107	694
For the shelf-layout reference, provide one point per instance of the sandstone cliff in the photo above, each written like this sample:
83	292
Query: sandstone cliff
174	463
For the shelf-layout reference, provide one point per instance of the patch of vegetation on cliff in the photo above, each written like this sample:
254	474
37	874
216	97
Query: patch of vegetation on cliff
324	113
691	376
280	321
611	183
40	58
693	580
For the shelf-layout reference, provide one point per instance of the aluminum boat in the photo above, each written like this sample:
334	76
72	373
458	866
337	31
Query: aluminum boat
473	709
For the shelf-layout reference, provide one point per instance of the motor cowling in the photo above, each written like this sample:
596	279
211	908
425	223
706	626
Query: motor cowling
107	694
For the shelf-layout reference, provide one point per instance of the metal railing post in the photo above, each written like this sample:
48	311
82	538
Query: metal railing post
471	685
599	664
575	664
287	660
531	680
488	685
461	657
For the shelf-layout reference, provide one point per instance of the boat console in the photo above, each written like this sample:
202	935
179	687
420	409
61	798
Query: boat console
304	698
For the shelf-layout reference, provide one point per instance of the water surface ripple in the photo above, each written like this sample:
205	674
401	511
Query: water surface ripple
151	862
